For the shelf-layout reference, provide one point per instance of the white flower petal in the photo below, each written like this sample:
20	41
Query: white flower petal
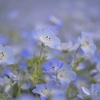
86	91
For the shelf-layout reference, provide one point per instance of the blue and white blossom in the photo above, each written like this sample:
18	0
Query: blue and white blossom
48	38
52	66
65	75
6	55
55	68
26	97
4	81
87	44
46	90
65	46
93	93
13	75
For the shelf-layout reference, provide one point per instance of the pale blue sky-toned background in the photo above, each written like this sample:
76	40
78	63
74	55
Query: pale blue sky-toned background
74	16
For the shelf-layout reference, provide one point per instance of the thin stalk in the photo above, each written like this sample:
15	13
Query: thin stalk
41	50
76	52
19	90
75	57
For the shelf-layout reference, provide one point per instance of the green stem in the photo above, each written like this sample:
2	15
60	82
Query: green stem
4	98
75	57
19	90
76	52
41	50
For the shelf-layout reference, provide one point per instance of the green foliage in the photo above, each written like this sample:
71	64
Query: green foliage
71	92
76	63
35	69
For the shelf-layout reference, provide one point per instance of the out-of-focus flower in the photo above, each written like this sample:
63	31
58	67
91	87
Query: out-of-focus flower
55	20
4	39
4	81
52	66
53	28
26	54
26	85
23	65
65	75
59	96
81	66
26	97
65	46
12	75
6	55
87	44
46	90
93	72
94	92
47	37
81	81
83	93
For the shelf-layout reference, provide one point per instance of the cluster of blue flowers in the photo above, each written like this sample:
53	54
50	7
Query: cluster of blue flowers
47	78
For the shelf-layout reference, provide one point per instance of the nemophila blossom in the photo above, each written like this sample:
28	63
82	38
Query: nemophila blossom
94	92
46	90
12	75
55	20
65	46
59	96
87	44
26	54
26	85
83	93
48	38
6	55
55	68
53	28
4	81
65	75
52	66
26	97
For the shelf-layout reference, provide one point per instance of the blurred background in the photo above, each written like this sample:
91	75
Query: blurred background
19	19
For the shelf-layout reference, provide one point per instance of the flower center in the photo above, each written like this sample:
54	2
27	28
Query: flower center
85	43
62	74
97	93
53	68
46	92
47	38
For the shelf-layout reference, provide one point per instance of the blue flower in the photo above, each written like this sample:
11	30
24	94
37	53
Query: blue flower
94	92
26	97
55	68
4	81
48	38
46	90
87	44
26	53
65	75
12	75
52	66
65	46
59	96
6	55
83	93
